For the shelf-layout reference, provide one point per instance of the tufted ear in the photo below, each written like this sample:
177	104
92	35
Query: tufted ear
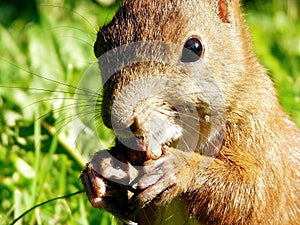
223	11
229	11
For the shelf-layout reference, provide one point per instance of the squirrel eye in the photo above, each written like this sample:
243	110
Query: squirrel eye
192	50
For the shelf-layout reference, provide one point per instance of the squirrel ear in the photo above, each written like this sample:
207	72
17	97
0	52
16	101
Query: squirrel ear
229	11
223	11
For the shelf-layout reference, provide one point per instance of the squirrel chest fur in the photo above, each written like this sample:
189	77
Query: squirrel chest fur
200	135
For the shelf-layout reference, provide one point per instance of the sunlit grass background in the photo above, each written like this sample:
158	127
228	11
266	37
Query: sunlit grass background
54	39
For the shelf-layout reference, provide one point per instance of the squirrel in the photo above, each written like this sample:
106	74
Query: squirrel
200	135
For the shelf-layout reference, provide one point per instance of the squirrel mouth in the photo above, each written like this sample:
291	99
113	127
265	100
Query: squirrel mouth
146	140
141	148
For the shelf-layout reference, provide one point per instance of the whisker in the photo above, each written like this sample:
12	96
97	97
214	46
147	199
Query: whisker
72	28
60	110
91	93
186	144
73	12
164	112
93	125
79	39
189	115
46	78
62	124
61	140
66	108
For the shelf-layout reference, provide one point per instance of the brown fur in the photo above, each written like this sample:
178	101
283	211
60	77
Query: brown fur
254	178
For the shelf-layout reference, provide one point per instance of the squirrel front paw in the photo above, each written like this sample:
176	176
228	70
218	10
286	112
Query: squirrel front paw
112	183
164	178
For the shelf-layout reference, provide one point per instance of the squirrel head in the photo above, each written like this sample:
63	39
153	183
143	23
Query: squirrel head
175	70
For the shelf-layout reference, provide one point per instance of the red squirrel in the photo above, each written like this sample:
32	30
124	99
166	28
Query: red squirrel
239	164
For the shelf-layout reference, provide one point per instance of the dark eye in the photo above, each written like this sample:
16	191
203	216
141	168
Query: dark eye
192	50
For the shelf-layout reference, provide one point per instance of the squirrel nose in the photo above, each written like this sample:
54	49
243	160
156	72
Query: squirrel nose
134	127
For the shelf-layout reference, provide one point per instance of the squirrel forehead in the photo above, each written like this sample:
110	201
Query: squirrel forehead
140	20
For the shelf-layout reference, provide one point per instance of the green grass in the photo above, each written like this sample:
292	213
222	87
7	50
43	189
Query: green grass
275	27
38	158
39	54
